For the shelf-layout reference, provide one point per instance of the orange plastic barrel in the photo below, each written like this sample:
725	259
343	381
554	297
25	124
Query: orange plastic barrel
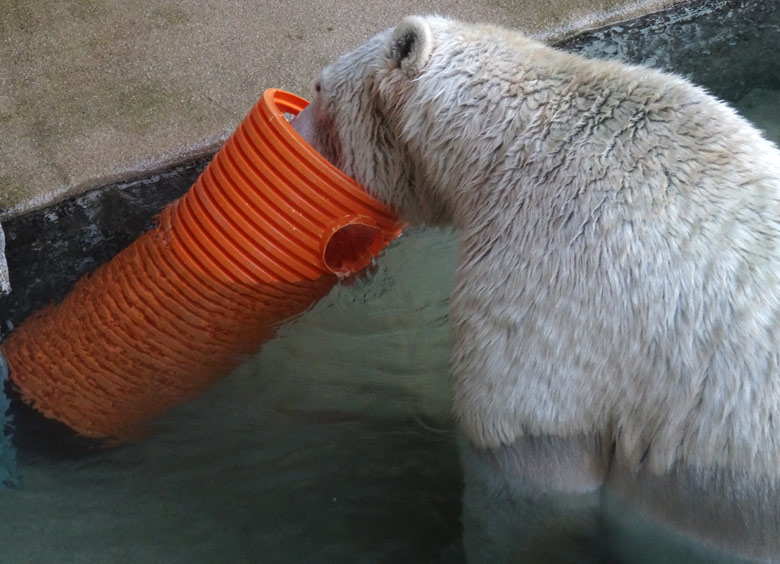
262	235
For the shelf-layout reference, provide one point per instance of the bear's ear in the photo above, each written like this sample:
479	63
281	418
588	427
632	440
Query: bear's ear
411	45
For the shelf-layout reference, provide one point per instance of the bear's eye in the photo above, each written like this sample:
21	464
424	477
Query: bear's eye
317	87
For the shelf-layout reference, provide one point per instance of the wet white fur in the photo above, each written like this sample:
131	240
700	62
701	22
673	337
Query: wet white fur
619	276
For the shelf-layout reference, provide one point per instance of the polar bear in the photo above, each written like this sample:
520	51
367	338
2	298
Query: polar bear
616	314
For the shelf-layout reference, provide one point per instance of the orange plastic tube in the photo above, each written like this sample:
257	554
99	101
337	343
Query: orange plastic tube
262	235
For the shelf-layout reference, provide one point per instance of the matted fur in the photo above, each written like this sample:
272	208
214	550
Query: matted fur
619	273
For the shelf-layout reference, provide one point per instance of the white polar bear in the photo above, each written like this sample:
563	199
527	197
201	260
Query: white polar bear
616	317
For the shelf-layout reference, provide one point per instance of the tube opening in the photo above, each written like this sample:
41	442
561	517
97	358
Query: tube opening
350	245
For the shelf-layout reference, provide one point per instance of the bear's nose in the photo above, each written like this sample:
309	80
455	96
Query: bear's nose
303	124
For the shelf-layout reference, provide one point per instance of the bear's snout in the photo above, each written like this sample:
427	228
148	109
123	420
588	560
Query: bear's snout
303	124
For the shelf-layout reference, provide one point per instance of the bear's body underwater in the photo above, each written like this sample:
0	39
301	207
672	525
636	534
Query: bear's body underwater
616	316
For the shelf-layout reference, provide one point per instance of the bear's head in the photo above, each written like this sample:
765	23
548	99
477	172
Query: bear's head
417	114
353	119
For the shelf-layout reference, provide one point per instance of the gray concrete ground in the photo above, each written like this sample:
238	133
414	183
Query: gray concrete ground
92	92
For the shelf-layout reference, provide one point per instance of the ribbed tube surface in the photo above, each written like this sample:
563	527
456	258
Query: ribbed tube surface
242	251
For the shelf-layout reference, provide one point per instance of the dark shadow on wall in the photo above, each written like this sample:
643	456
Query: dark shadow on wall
727	46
